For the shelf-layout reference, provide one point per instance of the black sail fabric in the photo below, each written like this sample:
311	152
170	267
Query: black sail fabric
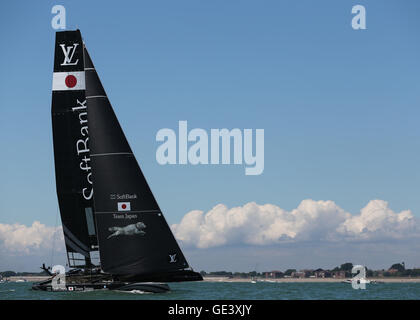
133	235
71	148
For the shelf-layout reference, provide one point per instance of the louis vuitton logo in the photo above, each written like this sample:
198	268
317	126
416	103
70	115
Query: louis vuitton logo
68	54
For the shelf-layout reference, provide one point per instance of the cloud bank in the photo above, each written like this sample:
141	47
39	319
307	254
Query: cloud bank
319	231
268	224
18	239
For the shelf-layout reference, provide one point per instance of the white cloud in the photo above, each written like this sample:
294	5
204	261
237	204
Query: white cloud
267	224
251	224
18	239
376	220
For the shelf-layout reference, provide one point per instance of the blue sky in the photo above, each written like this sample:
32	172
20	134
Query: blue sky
339	107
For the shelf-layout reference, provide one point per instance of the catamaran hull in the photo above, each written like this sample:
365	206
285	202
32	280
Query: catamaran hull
149	287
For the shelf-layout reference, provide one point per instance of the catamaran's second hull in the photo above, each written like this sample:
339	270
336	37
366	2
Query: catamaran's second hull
149	287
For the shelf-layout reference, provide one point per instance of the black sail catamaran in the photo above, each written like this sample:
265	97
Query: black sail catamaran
115	234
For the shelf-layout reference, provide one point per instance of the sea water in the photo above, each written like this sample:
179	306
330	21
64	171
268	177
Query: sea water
228	290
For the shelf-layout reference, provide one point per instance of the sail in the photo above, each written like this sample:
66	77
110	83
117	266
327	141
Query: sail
71	149
133	236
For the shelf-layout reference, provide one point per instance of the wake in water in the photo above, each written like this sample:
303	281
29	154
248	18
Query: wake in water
133	291
139	292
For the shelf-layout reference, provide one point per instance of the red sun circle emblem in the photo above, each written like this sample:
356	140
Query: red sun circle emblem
124	206
71	81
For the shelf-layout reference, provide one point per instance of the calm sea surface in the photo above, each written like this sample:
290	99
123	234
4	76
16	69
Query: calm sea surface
229	290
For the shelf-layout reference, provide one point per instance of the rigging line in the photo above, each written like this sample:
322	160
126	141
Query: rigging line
54	236
90	97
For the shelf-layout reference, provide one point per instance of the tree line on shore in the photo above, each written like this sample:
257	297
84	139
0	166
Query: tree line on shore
9	273
344	270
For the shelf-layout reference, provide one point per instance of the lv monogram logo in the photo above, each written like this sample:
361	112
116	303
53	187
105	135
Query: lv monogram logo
68	54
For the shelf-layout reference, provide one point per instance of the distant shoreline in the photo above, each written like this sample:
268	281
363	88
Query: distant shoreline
307	280
27	278
263	280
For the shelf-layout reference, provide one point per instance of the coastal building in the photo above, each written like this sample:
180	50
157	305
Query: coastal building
273	274
339	274
299	274
309	273
319	273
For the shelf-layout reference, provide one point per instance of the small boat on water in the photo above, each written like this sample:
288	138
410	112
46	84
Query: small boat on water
359	281
115	234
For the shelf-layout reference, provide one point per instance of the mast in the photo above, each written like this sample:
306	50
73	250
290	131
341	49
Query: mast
71	149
